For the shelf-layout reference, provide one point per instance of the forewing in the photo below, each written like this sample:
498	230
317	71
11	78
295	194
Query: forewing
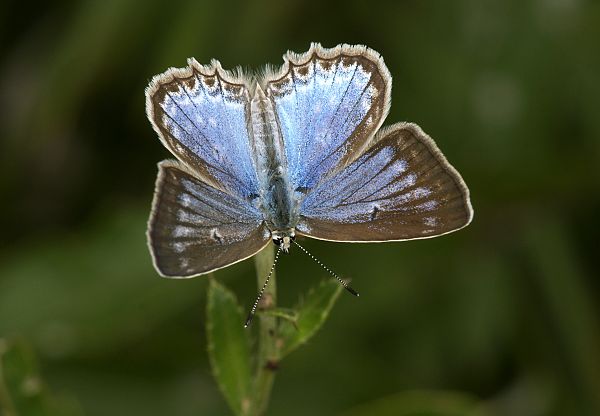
200	114
329	103
401	188
195	228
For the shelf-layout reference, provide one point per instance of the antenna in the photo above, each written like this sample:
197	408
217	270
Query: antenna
262	290
342	282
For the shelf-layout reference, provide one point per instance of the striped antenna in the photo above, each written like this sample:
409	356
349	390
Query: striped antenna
342	282
262	290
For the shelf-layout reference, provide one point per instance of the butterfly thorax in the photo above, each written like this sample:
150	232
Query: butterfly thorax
279	207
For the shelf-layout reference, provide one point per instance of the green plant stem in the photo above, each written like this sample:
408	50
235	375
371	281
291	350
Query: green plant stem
268	352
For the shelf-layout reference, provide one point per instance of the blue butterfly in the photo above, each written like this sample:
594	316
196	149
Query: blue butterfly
297	151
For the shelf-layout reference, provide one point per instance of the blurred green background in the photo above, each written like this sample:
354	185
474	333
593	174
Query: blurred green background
503	315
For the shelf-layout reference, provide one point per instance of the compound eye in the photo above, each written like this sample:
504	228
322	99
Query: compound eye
277	241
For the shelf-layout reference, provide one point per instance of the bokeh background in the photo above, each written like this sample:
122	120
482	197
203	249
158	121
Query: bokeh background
503	314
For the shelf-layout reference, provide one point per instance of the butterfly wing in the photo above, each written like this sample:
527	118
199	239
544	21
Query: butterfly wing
195	228
200	114
401	188
329	103
202	219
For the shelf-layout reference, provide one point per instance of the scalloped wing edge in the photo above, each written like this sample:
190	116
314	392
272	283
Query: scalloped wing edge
267	74
290	58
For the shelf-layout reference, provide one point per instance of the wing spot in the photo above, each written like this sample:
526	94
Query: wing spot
303	189
326	65
178	247
209	81
347	61
189	83
215	235
375	212
303	71
430	221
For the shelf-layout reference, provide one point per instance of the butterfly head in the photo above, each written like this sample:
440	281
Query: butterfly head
284	239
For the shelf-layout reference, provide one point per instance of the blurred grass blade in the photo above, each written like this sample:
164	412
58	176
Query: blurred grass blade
421	403
228	347
311	314
80	306
563	284
22	391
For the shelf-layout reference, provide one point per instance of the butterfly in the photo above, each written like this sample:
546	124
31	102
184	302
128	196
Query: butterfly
297	150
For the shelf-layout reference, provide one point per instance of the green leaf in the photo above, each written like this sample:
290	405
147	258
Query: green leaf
283	313
228	347
22	391
311	314
421	403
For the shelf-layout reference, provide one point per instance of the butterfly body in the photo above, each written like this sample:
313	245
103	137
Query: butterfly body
298	150
277	203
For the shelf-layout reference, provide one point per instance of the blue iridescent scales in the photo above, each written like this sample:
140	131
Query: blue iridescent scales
203	117
320	108
296	150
